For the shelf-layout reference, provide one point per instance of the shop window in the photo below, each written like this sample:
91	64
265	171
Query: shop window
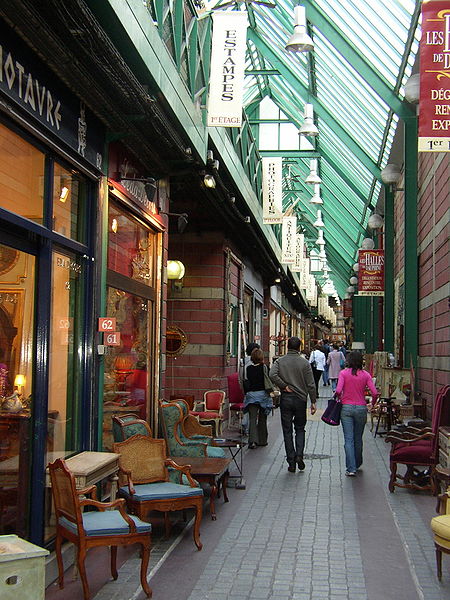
131	250
22	168
16	377
69	199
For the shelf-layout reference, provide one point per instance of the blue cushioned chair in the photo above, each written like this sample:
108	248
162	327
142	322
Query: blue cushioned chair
128	425
100	528
177	443
145	484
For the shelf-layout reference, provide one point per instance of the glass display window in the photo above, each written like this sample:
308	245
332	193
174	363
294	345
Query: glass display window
69	200
22	168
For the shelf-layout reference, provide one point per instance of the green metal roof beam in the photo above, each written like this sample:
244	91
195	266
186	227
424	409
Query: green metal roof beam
321	111
352	55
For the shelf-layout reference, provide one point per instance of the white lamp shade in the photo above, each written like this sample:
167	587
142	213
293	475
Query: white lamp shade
412	89
350	290
318	222
175	269
356	267
391	174
300	40
368	244
320	241
313	177
316	199
308	127
322	254
353	280
375	221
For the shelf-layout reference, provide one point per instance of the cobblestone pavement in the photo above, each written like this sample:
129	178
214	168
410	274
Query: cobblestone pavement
312	535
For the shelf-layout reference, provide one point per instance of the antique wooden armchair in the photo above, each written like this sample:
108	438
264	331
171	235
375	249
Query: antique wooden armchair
418	448
440	526
126	426
210	409
145	484
178	444
95	528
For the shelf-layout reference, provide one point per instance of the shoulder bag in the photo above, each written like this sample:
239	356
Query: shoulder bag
342	361
313	362
268	385
332	413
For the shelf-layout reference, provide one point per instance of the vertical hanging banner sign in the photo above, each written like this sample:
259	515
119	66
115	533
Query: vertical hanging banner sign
371	273
288	240
347	308
434	115
297	267
272	190
226	81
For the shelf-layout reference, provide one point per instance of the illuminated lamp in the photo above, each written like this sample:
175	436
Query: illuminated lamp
175	269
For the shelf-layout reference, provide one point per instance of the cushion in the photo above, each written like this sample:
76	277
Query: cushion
441	528
239	406
422	453
161	491
109	522
208	415
214	452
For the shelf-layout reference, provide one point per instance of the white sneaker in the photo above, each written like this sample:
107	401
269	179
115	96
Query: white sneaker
350	473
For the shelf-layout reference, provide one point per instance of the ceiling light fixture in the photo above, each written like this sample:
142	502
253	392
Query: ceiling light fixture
375	221
209	181
313	177
300	40
316	199
308	127
318	222
320	241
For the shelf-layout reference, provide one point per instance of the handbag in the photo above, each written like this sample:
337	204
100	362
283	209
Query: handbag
332	413
342	361
268	385
313	363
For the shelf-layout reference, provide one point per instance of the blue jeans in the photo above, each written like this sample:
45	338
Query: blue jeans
353	419
333	384
325	378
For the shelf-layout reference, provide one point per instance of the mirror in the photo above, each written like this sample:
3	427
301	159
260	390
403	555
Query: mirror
176	340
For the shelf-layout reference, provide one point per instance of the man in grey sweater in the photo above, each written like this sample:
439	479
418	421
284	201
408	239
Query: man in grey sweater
293	375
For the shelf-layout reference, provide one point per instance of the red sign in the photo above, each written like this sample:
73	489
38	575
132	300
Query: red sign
112	339
107	324
434	115
371	273
347	309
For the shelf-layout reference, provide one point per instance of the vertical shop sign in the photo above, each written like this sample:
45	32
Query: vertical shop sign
371	273
226	82
297	267
272	190
434	115
347	308
288	240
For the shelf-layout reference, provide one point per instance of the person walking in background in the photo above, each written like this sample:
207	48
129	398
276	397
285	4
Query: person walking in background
335	362
326	348
351	387
294	377
244	363
257	401
317	362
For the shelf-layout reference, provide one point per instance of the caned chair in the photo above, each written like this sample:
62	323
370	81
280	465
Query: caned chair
210	409
417	449
95	528
178	444
145	484
440	526
190	426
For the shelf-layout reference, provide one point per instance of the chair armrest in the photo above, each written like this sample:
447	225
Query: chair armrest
88	491
199	406
186	470
119	504
443	499
124	474
408	438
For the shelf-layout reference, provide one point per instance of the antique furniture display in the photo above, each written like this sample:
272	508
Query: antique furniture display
89	468
110	411
213	471
418	448
440	526
172	415
95	528
146	486
191	428
236	450
210	409
125	426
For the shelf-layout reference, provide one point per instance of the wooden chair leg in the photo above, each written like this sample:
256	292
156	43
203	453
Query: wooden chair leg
144	567
114	573
60	561
82	571
439	562
167	524
198	520
393	476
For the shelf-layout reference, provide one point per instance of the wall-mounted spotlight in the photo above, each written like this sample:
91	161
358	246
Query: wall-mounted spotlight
209	181
277	280
182	220
300	40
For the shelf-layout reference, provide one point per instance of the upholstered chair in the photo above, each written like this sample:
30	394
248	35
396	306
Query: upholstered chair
440	526
210	409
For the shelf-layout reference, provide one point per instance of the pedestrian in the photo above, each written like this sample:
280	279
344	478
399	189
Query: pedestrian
257	401
244	362
335	362
326	349
317	362
343	349
351	387
294	377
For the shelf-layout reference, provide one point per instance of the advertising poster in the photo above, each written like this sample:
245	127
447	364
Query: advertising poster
371	273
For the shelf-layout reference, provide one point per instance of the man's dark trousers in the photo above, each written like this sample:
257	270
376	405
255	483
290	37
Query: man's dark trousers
293	412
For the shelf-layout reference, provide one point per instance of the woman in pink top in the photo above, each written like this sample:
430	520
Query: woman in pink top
351	389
